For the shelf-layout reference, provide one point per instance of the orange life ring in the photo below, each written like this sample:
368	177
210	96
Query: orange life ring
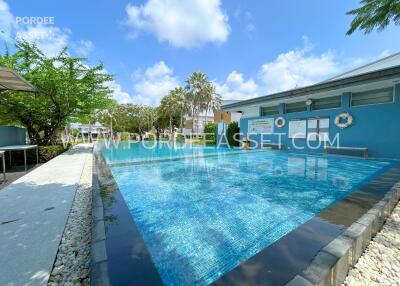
280	122
343	116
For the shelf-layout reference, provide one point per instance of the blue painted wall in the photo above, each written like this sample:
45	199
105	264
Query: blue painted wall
11	135
376	127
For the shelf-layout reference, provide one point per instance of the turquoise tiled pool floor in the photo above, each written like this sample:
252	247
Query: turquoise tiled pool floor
201	218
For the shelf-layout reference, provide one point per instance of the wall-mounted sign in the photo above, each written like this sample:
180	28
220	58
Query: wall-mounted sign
261	126
297	129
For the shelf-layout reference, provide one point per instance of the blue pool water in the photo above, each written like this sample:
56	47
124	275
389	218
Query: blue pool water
202	217
155	150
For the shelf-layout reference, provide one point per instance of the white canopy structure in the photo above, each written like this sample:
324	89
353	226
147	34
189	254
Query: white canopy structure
10	80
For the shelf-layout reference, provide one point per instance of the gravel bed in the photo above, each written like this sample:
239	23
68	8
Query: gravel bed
72	265
380	263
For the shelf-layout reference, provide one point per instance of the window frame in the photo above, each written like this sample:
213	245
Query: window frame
369	104
321	109
305	105
266	115
317	134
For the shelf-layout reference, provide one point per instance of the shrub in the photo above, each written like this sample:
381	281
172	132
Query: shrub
210	131
233	128
46	153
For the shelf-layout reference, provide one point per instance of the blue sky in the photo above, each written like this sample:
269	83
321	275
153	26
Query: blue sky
248	48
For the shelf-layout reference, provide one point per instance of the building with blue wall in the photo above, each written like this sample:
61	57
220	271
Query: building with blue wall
308	116
11	135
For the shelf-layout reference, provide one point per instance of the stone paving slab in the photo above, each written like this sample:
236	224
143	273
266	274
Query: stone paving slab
33	213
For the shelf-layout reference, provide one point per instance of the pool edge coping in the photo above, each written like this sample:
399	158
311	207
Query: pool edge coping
103	178
332	263
98	263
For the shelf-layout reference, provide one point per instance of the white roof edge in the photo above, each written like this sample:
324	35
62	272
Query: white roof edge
343	75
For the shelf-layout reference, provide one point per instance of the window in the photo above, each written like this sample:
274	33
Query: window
270	110
327	103
318	129
296	107
372	97
297	129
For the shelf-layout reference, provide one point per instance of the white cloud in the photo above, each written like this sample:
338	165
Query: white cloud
294	68
118	94
154	83
82	47
298	67
49	39
384	54
7	21
245	19
236	87
184	24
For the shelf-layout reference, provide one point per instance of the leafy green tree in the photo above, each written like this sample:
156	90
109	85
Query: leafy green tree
213	99
233	128
170	106
67	89
133	118
375	14
180	93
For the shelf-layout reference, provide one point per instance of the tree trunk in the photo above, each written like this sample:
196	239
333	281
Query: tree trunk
170	124
181	124
192	119
206	119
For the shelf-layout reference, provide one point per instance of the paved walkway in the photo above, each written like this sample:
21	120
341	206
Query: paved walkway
33	212
15	173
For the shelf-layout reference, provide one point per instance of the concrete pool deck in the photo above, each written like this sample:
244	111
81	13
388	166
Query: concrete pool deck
33	213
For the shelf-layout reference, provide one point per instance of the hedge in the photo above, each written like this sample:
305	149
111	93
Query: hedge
210	130
233	128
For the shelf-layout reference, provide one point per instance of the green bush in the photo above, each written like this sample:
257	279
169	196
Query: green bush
210	131
233	128
46	153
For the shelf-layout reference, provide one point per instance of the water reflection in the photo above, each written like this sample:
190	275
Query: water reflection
202	217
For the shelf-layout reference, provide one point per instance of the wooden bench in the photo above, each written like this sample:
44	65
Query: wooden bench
270	145
363	150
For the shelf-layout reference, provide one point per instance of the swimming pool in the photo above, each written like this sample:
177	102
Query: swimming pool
202	217
144	151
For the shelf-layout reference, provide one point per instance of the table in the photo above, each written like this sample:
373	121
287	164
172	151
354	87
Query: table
21	148
2	155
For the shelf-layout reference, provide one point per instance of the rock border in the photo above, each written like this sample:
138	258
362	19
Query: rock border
332	264
72	263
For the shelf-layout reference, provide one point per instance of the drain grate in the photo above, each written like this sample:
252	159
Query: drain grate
48	209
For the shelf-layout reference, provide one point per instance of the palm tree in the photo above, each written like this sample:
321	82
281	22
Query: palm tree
375	14
196	86
180	94
170	107
213	99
